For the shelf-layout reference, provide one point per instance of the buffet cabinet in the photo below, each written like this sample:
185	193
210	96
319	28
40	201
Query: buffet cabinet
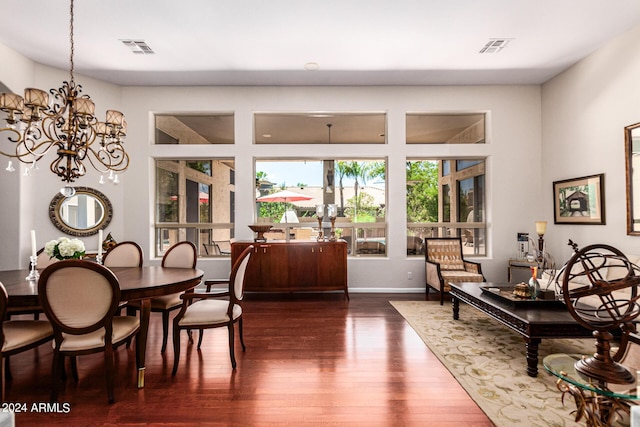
295	266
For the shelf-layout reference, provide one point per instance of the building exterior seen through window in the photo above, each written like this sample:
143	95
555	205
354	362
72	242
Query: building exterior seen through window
357	188
446	198
194	202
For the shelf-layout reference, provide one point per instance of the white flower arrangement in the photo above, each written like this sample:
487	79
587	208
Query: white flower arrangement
65	248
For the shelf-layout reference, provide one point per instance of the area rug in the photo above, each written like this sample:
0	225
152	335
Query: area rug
488	360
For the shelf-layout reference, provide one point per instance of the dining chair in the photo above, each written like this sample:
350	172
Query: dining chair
17	336
181	255
205	311
80	299
124	254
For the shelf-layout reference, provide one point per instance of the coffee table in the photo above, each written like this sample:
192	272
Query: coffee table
533	320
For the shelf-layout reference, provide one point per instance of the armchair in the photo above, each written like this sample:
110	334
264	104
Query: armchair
444	264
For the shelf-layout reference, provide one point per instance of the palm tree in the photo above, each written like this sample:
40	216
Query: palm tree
359	171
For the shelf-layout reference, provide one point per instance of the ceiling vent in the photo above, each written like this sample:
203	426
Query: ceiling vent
495	45
139	47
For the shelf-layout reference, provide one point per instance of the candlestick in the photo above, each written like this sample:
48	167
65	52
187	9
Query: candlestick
333	212
33	272
34	249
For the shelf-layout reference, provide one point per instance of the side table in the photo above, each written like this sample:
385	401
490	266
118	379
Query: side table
519	264
596	404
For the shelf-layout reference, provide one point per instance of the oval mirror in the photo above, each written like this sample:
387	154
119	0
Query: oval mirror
632	160
82	214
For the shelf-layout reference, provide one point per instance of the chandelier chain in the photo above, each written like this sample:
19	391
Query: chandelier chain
71	41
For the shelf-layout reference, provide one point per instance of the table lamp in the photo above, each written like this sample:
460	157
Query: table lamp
541	228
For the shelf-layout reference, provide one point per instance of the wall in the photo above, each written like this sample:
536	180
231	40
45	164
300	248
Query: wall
513	159
513	155
585	110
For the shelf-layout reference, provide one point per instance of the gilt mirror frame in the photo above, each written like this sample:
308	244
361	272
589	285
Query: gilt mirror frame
56	215
632	166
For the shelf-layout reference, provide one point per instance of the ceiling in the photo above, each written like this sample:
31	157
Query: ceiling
352	42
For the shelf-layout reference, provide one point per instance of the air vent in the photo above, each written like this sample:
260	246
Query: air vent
139	47
495	45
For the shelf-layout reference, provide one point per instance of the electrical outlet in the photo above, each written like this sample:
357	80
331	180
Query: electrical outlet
409	275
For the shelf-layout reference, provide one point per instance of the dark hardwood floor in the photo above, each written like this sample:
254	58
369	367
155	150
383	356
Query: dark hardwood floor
311	359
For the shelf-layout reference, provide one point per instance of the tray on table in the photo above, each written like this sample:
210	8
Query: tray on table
504	292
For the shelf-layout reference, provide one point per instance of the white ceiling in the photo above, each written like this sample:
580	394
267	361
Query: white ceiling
354	42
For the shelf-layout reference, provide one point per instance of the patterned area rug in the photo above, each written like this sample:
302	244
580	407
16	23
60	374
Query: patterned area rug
488	360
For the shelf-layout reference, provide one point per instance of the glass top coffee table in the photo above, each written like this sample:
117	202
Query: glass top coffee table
597	403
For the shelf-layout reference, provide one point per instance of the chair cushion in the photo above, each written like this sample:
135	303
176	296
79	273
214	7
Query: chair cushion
164	302
20	333
208	311
459	277
123	328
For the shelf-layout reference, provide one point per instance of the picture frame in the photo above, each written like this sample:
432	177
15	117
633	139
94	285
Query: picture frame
579	200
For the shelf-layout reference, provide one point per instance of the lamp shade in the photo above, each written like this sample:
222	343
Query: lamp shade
541	227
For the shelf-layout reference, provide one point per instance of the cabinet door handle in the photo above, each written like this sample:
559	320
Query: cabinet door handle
320	250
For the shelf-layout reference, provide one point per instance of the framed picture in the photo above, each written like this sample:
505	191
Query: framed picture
579	200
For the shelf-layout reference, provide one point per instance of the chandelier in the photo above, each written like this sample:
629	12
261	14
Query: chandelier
33	126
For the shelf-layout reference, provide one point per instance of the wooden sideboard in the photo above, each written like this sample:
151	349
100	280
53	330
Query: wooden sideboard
280	266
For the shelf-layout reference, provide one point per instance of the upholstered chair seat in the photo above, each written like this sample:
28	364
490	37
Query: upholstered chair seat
21	333
17	336
209	311
123	328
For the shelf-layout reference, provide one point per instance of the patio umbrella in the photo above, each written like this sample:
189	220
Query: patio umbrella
284	196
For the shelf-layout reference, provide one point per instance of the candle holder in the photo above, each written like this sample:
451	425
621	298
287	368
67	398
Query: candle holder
320	215
320	234
33	272
332	238
333	213
99	259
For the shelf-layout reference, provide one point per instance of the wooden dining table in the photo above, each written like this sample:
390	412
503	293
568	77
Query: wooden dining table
136	283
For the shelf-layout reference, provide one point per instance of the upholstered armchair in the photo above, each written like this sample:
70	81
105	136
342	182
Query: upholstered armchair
444	264
205	310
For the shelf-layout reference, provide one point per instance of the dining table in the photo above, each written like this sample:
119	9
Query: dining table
136	283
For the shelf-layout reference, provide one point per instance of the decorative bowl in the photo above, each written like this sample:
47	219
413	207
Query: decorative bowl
260	229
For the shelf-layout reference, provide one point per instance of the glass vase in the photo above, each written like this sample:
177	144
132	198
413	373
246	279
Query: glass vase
534	285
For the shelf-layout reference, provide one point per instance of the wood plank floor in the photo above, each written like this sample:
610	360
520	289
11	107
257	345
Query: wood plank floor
311	359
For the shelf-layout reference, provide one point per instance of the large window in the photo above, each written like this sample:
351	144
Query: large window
446	198
194	202
357	187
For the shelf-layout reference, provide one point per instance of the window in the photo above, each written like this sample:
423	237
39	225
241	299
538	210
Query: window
357	187
458	128
195	129
194	202
441	204
320	128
